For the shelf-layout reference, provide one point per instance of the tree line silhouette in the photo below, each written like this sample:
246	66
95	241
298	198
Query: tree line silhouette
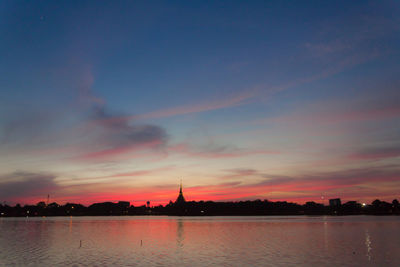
202	208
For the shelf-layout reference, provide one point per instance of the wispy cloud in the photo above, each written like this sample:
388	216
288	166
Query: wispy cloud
141	173
326	181
84	88
240	172
223	102
216	151
365	108
376	153
342	183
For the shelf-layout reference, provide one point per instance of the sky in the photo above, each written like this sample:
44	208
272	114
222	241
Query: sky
242	100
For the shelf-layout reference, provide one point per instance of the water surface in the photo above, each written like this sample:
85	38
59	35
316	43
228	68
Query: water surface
201	241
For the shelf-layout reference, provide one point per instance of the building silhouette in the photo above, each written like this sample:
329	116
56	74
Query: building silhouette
335	202
181	207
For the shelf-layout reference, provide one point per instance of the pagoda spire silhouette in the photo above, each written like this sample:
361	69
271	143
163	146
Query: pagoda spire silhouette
180	199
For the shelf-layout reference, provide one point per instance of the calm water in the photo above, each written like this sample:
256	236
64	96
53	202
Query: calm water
200	241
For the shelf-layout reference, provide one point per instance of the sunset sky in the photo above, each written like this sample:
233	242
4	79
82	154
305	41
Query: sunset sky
278	100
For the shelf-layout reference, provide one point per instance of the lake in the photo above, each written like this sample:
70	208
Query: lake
201	241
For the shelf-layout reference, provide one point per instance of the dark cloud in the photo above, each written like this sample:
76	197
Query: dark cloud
26	184
91	130
110	134
113	131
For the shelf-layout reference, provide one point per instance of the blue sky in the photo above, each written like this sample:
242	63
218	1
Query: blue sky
244	100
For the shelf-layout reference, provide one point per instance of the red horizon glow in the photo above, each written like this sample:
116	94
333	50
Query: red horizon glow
163	197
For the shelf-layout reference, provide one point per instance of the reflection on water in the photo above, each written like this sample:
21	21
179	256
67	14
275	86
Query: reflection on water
326	244
200	241
179	233
368	244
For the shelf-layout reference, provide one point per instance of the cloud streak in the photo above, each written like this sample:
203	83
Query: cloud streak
215	152
376	153
332	112
225	102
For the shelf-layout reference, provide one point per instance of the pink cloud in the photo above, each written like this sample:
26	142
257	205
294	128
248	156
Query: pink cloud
199	107
376	154
118	151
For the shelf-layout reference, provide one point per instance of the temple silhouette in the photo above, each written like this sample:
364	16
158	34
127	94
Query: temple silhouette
180	200
179	207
